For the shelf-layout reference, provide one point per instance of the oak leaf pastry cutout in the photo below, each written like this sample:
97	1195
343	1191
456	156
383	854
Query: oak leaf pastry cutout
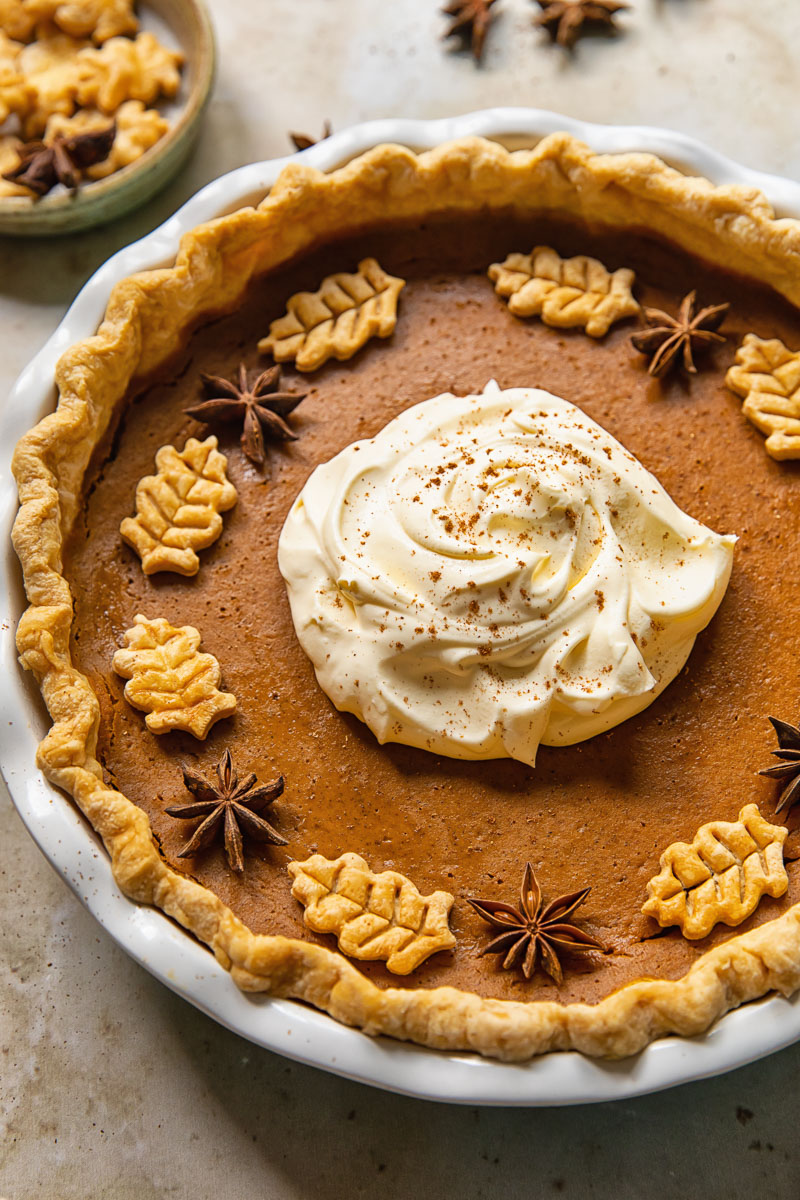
567	20
720	876
336	320
565	292
230	807
788	769
470	21
533	932
260	406
767	374
373	915
170	680
673	341
178	510
98	19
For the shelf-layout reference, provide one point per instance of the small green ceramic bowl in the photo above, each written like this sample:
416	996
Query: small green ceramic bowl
186	24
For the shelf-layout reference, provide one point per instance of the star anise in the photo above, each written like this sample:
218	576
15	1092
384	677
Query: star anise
231	805
788	770
302	141
566	20
672	341
260	406
532	930
471	21
61	160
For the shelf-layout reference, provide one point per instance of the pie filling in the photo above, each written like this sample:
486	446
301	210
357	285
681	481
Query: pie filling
598	813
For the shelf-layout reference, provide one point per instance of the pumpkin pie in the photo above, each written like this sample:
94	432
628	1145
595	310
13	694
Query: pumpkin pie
490	787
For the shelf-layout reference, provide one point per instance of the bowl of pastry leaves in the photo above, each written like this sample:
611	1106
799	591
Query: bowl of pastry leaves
100	105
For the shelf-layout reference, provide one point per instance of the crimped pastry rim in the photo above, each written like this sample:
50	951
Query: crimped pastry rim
730	224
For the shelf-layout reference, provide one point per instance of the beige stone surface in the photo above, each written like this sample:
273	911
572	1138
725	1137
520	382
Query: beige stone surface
110	1086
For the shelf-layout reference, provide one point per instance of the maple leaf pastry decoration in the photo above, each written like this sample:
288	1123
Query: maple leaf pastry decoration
534	931
61	159
229	806
566	20
170	679
788	769
673	341
260	406
470	20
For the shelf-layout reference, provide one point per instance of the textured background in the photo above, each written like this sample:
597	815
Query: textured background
110	1086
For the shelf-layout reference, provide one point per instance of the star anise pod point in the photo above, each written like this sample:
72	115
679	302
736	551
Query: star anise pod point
672	341
231	804
260	406
567	20
302	141
787	769
470	21
533	930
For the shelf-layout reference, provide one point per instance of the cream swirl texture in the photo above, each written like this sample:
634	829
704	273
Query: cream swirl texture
493	572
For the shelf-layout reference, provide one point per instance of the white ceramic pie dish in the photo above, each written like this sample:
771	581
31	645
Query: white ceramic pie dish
172	955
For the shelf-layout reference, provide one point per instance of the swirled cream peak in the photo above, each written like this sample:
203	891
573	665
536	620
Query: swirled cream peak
492	572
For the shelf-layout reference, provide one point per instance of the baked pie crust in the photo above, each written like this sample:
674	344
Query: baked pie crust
148	317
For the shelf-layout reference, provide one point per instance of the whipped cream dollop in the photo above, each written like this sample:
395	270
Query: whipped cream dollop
495	571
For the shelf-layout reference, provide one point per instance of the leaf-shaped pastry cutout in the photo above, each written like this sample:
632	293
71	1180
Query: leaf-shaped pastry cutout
337	319
767	374
177	510
17	95
99	19
52	67
373	916
721	876
16	21
565	291
170	679
138	68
